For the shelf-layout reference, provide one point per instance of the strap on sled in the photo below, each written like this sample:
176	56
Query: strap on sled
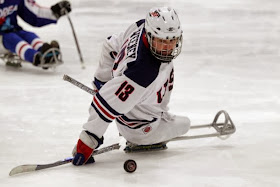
223	130
55	58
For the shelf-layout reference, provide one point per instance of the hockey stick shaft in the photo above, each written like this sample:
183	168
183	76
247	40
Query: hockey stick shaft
36	167
76	41
78	84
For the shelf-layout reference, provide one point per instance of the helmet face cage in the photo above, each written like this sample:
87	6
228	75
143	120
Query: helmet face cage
164	34
165	50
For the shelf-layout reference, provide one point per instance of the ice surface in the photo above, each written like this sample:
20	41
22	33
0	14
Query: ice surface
230	60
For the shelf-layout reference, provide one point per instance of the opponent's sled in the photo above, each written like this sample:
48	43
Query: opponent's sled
11	59
54	55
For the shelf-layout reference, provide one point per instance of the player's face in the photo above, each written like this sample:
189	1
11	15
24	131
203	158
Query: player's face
164	47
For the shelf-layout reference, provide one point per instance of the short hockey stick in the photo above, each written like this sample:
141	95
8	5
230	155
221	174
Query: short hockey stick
76	41
78	84
36	167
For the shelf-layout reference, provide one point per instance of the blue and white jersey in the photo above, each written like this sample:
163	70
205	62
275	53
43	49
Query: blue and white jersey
138	86
28	10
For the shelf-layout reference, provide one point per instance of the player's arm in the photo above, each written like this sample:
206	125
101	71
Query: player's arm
116	97
38	16
110	50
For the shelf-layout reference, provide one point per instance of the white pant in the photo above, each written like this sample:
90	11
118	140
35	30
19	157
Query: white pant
156	132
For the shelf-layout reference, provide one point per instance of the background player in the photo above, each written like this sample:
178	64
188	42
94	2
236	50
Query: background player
135	79
27	45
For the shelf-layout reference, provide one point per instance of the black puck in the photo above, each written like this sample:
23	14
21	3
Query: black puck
130	166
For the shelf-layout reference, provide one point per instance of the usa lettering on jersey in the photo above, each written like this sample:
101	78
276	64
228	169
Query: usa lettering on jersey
132	44
8	10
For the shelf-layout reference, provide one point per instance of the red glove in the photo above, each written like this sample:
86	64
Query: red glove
84	148
83	153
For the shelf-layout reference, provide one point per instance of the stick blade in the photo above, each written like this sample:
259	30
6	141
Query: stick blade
22	169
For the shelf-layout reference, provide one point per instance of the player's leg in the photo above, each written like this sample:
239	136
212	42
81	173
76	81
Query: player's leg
167	130
31	38
34	40
16	44
159	131
46	54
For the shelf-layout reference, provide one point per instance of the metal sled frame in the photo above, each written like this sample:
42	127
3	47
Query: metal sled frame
223	129
56	60
11	59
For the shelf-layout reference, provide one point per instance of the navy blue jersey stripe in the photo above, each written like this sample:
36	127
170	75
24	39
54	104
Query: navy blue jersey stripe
107	106
140	22
137	120
98	84
137	127
132	123
145	68
95	79
100	115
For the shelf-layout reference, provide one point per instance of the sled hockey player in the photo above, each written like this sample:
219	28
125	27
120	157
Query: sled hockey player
27	45
134	80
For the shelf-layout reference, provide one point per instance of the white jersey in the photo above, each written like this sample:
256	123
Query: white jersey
138	86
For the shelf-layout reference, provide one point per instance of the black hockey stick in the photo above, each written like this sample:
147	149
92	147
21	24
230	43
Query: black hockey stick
76	41
36	167
78	84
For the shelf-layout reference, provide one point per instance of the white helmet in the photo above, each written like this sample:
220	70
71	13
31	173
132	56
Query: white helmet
163	23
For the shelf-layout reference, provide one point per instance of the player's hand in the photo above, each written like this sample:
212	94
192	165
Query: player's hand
61	8
84	148
82	154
